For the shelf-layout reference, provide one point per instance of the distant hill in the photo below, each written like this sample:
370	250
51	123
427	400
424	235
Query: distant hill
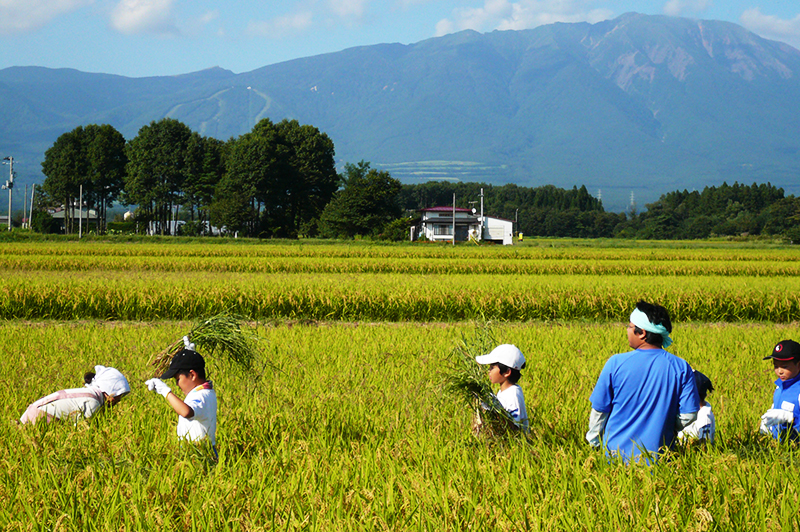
647	104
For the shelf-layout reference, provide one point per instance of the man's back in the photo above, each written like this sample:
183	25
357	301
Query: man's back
643	391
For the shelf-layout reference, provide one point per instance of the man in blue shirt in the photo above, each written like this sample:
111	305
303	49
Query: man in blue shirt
643	398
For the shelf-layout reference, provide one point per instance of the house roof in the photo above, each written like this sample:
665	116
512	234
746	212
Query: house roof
445	209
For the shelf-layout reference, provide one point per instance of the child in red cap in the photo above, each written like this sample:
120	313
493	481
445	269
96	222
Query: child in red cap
782	421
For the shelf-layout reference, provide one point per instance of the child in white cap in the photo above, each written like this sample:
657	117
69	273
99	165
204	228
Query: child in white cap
104	385
505	362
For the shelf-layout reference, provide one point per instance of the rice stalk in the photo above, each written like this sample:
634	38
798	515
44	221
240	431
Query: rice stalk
219	335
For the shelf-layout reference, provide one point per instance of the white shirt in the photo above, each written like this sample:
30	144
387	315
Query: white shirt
514	402
203	401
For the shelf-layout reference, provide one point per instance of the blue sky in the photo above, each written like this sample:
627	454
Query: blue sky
164	37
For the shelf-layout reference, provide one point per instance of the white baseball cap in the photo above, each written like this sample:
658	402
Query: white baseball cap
505	354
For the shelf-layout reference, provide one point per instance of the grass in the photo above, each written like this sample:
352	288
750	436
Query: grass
355	433
342	420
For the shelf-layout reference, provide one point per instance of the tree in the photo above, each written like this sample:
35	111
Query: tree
92	157
105	151
65	170
289	172
157	169
368	201
204	169
257	172
313	173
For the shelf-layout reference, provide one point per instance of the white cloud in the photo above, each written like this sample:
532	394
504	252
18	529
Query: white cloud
677	8
144	16
348	9
209	16
19	16
772	27
524	14
282	26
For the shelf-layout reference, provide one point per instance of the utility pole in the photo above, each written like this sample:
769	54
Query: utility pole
9	185
454	218
480	237
33	194
80	212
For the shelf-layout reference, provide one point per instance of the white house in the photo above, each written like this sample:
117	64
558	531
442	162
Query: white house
437	224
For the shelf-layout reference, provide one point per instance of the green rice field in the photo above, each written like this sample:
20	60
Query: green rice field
344	424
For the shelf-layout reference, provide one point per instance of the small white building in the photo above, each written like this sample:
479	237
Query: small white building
437	225
498	230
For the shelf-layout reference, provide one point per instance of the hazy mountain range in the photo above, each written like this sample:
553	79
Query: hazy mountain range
640	103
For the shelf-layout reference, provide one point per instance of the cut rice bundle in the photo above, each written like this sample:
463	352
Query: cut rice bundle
221	335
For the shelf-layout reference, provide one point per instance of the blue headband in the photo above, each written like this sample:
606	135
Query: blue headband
641	320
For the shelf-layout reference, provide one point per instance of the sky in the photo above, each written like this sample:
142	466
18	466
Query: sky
140	38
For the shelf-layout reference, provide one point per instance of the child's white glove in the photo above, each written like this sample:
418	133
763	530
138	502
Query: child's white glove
776	416
188	344
158	386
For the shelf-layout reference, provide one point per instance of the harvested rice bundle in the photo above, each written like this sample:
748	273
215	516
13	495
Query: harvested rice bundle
469	381
219	335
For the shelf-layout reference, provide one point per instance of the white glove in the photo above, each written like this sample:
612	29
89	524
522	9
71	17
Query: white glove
187	344
158	386
776	416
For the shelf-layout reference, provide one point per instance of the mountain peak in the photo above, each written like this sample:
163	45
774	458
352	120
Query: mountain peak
640	102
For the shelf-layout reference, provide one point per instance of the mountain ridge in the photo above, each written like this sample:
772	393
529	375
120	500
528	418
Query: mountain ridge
638	103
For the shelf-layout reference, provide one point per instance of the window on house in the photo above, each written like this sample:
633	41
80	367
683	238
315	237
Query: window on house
441	229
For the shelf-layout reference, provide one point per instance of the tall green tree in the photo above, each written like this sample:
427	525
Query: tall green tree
366	203
205	167
157	169
105	151
91	157
313	178
289	172
257	170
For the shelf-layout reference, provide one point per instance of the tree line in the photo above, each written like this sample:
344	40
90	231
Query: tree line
280	180
726	210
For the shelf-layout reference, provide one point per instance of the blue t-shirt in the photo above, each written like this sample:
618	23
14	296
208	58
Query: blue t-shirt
643	392
787	397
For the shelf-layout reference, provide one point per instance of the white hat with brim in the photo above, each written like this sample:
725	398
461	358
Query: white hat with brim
505	354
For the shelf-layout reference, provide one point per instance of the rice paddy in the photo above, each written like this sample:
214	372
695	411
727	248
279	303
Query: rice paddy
344	423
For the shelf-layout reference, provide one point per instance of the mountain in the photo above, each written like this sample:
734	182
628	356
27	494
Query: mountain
643	104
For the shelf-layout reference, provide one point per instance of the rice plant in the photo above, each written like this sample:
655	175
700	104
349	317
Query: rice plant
356	434
219	335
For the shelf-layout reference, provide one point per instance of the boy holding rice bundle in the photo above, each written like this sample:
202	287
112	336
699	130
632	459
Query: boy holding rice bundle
782	421
197	413
505	362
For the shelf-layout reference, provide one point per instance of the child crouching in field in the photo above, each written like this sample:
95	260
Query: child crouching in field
782	421
104	385
198	411
505	362
704	427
